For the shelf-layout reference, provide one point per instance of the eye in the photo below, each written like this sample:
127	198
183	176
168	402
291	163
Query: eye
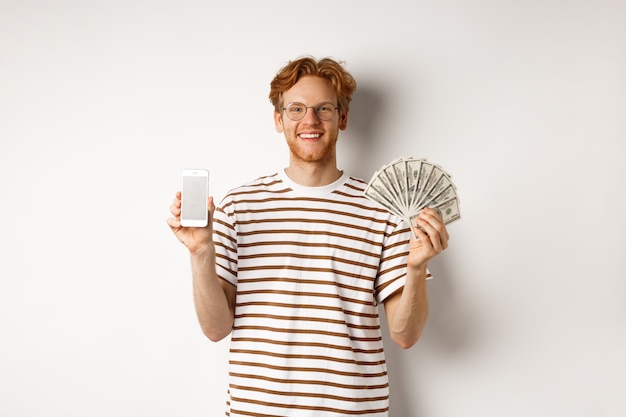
296	108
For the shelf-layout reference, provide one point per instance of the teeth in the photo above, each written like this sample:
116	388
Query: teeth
310	135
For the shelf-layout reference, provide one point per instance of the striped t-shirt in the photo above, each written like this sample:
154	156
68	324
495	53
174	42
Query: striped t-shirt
310	265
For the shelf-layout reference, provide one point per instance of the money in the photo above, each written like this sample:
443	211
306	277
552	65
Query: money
406	185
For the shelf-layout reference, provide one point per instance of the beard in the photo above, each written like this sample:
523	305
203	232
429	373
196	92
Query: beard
305	151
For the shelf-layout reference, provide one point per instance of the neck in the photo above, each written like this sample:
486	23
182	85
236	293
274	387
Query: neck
313	175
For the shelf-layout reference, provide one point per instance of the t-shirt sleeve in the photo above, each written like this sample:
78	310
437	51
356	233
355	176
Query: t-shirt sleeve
225	240
393	269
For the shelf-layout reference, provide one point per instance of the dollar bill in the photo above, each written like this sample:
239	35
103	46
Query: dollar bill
414	170
406	185
449	210
442	190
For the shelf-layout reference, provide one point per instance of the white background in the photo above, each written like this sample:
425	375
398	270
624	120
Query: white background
103	103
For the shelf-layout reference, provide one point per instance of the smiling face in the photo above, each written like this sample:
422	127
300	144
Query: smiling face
310	139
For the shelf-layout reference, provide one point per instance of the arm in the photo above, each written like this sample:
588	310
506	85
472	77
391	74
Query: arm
214	298
407	309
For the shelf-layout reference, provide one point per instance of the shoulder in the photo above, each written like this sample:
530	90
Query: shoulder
356	184
240	196
353	189
260	184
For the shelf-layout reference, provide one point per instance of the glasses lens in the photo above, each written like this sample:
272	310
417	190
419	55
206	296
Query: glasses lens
325	111
295	111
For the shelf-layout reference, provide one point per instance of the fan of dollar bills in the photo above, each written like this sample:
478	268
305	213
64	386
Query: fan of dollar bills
406	185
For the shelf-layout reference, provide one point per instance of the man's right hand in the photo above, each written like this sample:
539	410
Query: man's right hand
194	238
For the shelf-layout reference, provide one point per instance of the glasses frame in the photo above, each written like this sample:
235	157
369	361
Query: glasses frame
315	110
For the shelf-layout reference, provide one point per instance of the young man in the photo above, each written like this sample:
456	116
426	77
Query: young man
294	264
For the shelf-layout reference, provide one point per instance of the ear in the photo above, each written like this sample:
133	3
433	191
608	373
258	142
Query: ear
278	122
343	121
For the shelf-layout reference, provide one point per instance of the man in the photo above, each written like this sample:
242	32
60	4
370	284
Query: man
294	265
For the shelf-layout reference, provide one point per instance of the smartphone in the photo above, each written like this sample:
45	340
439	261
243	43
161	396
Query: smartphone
194	209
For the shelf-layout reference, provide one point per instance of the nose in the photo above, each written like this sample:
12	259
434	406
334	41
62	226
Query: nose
310	116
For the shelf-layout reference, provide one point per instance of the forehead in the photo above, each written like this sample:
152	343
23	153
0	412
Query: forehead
311	90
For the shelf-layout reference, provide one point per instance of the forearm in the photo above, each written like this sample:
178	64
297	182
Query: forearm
213	309
410	311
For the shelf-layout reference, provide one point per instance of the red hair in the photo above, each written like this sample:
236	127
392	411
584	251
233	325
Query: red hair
341	80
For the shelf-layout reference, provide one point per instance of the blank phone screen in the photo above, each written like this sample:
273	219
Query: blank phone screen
194	197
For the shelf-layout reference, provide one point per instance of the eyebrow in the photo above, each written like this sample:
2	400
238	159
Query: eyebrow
315	105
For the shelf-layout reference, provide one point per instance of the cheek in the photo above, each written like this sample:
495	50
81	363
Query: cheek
288	128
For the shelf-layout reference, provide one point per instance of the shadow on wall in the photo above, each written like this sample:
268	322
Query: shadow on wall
450	331
449	328
368	104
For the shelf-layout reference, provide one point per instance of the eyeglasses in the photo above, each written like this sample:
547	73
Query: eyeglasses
297	111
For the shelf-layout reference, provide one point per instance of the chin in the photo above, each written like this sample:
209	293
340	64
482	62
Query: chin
319	155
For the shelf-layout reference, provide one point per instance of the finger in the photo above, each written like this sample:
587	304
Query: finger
432	215
434	219
177	200
439	235
173	223
419	233
175	210
211	209
435	212
436	241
